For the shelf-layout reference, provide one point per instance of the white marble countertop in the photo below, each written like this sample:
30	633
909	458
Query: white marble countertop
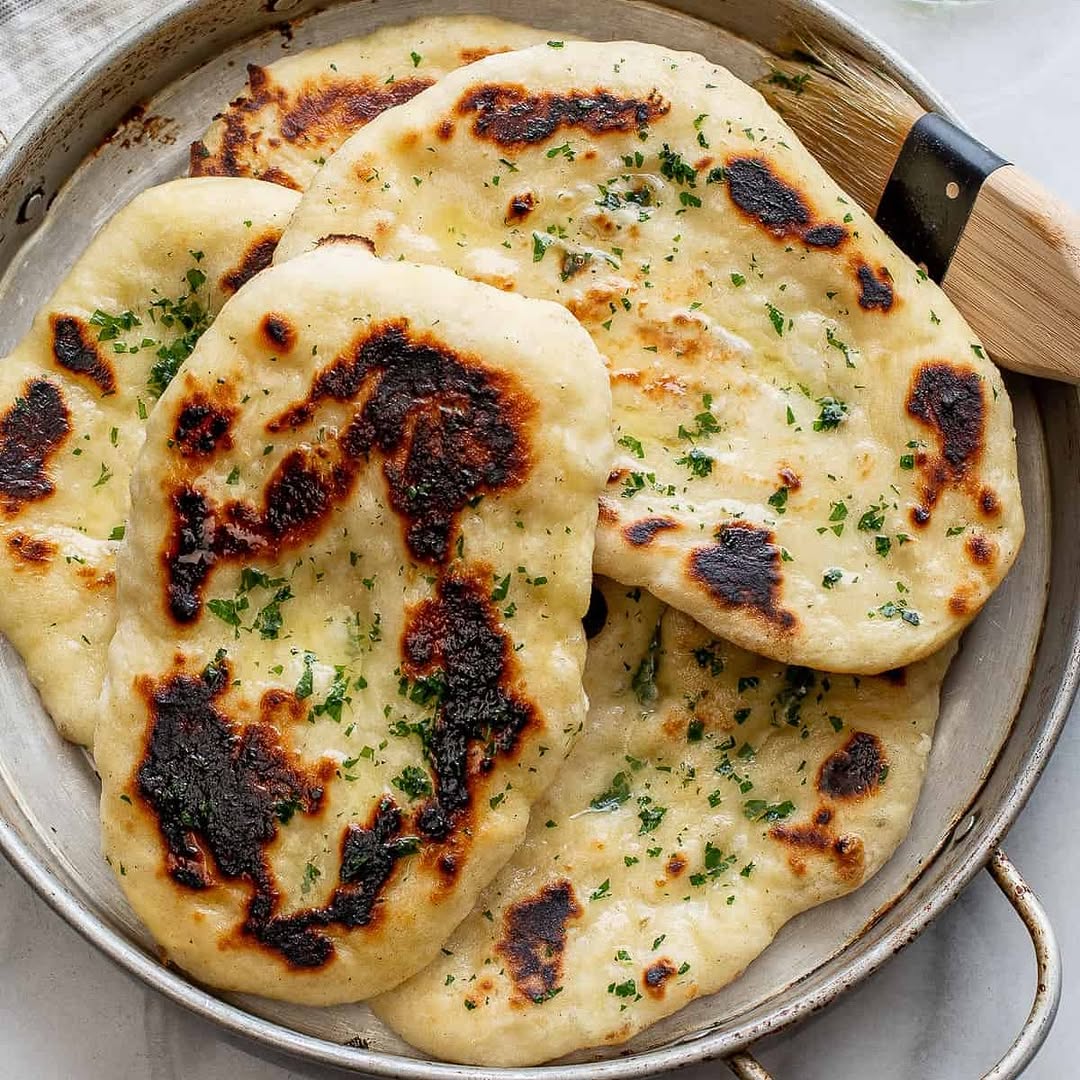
944	1008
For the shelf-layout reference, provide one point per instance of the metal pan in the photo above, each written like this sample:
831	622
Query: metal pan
1005	701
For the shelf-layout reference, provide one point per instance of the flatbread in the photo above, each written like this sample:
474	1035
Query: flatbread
817	458
295	112
74	397
349	650
713	796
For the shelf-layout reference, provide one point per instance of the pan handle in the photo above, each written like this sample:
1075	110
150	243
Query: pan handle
1048	987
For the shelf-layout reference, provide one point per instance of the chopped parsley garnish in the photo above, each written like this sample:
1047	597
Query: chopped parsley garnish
644	680
633	445
311	874
697	461
566	150
111	327
305	685
873	518
833	412
893	608
501	589
541	242
777	318
650	814
618	791
675	168
761	810
836	343
336	697
190	319
838	511
705	423
413	782
716	864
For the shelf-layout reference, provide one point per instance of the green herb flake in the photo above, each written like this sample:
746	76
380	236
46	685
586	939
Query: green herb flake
602	890
832	414
413	782
761	810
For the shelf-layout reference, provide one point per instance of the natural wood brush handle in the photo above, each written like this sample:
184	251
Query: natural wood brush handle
1015	276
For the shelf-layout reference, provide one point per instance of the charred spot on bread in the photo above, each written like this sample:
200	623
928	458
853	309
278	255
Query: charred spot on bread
846	852
32	429
521	206
875	288
656	975
202	427
980	549
257	256
215	790
642	533
31	549
950	401
511	116
454	643
339	106
220	793
534	938
323	111
278	332
75	350
742	570
855	770
777	206
346	238
448	428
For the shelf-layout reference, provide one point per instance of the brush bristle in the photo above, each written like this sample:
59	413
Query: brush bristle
852	118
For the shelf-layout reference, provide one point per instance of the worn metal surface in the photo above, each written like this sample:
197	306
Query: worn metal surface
1048	980
1012	663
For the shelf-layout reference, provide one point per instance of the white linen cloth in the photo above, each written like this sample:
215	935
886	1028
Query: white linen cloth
43	42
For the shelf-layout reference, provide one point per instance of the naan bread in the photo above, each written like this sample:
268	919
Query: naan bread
349	650
817	459
713	796
74	397
295	112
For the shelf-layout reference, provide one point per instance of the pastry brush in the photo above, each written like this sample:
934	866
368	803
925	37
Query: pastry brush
1004	249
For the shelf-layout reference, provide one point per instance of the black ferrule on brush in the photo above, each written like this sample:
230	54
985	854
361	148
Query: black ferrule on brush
932	189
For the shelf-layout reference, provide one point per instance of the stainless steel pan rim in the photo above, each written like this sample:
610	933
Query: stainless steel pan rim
1007	787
